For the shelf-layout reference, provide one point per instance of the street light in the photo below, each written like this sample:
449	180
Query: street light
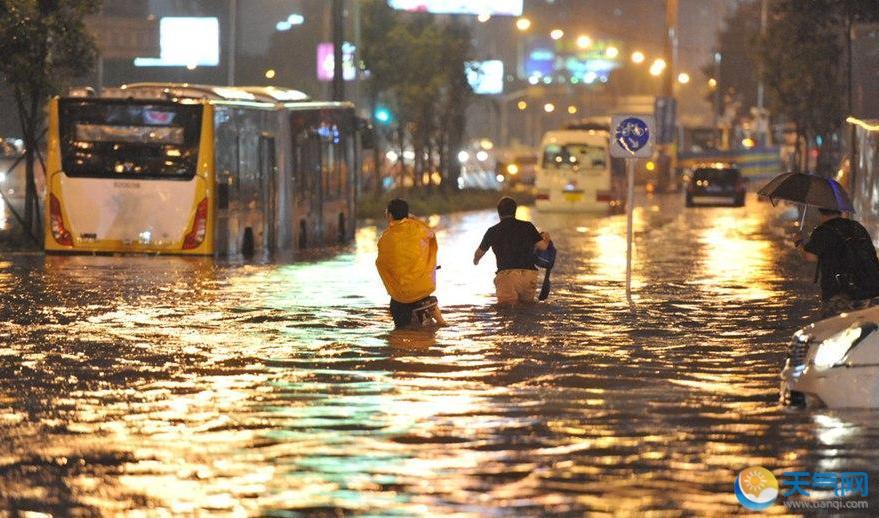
657	67
572	109
549	107
557	34
270	73
483	17
522	105
638	57
712	83
683	78
612	52
523	24
583	41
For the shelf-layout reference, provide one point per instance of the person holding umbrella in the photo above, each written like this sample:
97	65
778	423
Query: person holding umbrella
847	266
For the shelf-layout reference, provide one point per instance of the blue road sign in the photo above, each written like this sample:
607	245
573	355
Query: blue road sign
632	134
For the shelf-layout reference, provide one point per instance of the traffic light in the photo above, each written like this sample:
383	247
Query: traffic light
383	115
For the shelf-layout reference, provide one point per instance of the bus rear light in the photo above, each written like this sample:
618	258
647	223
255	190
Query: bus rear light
195	237
56	221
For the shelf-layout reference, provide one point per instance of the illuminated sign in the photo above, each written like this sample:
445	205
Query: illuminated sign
186	42
476	7
326	62
486	77
552	59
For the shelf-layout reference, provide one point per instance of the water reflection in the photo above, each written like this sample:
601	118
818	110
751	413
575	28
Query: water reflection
179	386
738	261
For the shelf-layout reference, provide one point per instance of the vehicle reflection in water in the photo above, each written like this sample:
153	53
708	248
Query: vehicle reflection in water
737	257
181	386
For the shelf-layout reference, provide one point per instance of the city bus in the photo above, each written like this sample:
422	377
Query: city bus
199	170
576	173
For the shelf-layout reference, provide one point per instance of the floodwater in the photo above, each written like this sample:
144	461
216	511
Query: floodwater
172	386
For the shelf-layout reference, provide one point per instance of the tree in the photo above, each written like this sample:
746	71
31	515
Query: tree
44	44
417	69
734	71
800	57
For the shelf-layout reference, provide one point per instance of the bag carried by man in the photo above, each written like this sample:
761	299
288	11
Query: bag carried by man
545	259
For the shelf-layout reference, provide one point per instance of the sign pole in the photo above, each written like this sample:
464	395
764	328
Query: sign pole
632	137
630	207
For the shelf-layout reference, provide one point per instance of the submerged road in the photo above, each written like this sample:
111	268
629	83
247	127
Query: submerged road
173	385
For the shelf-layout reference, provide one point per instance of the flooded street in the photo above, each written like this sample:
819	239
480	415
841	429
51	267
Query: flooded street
173	385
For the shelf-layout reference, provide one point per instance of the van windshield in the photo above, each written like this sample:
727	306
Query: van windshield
575	156
129	139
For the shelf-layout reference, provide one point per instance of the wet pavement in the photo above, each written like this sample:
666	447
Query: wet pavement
178	386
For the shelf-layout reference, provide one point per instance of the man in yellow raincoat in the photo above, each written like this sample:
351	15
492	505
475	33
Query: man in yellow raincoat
407	265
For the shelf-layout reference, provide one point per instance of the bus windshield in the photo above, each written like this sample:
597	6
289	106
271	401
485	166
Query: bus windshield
575	156
129	139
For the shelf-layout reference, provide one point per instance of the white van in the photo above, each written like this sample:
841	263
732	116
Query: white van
575	172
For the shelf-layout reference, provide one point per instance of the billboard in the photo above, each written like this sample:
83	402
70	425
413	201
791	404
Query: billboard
475	7
186	42
486	77
326	62
551	60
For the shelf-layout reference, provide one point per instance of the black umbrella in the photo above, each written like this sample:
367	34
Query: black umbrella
809	190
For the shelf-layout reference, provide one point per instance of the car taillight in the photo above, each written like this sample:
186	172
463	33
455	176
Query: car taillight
199	227
59	231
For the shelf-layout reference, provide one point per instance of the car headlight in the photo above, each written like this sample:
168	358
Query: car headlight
833	350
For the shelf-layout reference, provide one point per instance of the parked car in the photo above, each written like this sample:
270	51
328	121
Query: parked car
716	184
834	363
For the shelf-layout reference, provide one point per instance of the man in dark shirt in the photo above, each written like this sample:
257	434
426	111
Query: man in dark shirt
513	242
828	246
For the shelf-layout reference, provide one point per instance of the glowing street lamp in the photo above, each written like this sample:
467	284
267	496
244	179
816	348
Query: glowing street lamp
657	67
483	17
557	34
583	41
549	107
270	73
612	52
712	83
522	105
683	78
572	109
638	57
523	24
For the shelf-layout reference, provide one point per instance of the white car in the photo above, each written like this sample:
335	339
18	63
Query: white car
834	363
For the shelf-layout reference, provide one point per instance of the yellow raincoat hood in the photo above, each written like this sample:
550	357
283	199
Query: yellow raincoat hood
407	260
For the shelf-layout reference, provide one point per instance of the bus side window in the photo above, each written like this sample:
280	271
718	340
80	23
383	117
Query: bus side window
223	190
326	165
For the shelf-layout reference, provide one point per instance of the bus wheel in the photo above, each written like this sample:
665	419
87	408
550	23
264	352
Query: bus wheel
247	243
341	228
